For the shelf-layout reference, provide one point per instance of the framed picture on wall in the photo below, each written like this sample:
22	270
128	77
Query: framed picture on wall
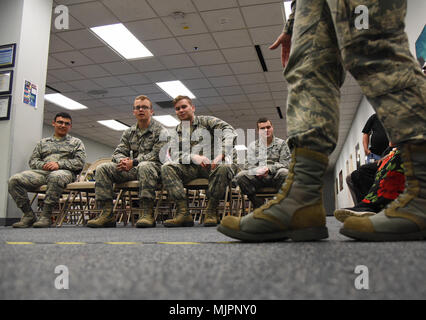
5	102
6	80
7	55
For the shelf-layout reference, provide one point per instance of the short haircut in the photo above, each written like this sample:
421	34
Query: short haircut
65	115
142	98
178	98
262	120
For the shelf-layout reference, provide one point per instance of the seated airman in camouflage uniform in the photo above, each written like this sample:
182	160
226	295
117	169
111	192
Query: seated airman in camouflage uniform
55	161
135	158
271	173
197	161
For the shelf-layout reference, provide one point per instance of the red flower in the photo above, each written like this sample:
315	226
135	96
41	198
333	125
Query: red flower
392	185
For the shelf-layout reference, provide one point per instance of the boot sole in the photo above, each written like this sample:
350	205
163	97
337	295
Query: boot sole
185	224
368	236
40	227
108	225
210	224
342	214
308	234
145	225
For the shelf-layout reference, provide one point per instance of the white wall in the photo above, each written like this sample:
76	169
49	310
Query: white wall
94	150
414	21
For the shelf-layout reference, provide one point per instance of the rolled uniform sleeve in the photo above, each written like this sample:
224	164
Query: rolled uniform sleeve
288	28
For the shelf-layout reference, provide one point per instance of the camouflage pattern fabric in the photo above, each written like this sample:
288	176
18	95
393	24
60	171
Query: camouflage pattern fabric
68	152
175	175
147	173
198	138
277	161
325	41
141	144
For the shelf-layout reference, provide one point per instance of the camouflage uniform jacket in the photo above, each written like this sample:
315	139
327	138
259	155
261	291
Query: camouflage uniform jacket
278	155
206	124
288	28
68	152
140	144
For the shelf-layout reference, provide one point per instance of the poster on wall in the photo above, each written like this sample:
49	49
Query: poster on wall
7	55
30	94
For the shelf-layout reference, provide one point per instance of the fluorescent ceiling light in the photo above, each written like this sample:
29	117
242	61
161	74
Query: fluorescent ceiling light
175	88
240	147
114	125
167	121
118	37
287	9
63	101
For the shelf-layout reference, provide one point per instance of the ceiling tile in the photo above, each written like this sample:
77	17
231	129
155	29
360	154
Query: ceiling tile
102	54
251	78
187	73
197	83
271	14
147	64
56	44
265	35
203	93
229	91
72	58
134	78
163	47
67	74
256	88
231	39
246	67
225	19
158	76
81	39
203	5
274	65
235	98
92	71
149	29
147	89
108	82
54	64
216	70
190	24
207	57
198	42
240	54
223	81
73	24
117	68
259	96
92	14
176	61
274	76
166	7
127	10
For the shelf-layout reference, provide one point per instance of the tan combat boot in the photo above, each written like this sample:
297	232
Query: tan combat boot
296	212
106	219
146	218
405	217
183	217
211	218
27	219
44	221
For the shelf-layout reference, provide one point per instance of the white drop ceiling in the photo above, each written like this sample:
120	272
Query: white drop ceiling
211	50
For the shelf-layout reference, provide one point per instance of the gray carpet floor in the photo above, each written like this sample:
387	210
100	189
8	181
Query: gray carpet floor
201	264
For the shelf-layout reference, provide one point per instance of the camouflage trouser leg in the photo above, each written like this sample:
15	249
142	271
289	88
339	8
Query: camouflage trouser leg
378	57
175	175
249	184
56	182
147	173
219	179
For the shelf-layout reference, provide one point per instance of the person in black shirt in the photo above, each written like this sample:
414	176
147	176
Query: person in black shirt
379	140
